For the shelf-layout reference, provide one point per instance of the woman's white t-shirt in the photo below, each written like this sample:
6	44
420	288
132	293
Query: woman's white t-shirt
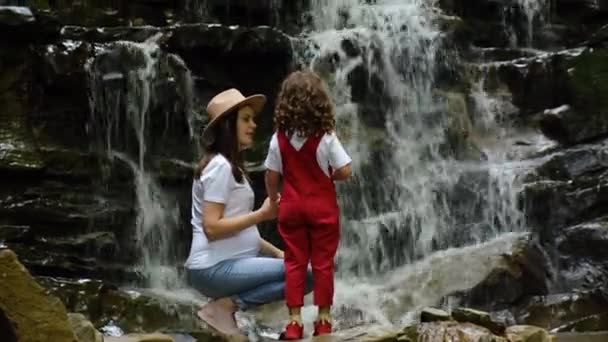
217	184
330	153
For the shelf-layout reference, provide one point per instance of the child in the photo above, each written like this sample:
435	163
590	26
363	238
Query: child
307	154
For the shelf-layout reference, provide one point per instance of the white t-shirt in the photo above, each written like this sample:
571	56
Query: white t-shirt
329	153
217	184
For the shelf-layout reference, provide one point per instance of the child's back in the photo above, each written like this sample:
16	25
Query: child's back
308	156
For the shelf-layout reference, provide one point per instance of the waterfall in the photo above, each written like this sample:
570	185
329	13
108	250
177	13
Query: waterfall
125	81
533	10
384	54
380	60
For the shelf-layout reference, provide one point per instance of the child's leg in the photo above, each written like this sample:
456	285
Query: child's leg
297	256
324	244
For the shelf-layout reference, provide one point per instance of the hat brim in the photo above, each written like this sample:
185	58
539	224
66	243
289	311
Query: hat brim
256	102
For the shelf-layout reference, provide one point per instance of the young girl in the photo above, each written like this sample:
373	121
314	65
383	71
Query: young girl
307	154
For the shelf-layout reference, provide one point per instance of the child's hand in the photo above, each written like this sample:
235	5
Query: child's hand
268	209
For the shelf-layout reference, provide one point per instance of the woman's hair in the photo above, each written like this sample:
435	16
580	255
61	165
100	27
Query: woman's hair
225	142
304	106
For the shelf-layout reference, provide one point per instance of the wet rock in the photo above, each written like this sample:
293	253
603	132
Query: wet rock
587	82
551	205
290	16
109	34
479	318
565	88
588	240
452	331
9	232
599	38
592	323
140	338
15	16
459	131
84	329
175	171
580	250
33	315
57	203
560	310
18	150
527	333
21	26
536	83
521	273
220	40
130	310
578	163
433	315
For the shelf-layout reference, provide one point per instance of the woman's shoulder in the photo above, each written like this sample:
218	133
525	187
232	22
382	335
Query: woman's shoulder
217	163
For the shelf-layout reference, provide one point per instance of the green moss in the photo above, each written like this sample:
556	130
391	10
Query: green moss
589	81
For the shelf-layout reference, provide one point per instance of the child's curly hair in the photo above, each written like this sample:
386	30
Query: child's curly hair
304	106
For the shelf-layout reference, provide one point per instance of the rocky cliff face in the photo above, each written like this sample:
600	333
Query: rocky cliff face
77	76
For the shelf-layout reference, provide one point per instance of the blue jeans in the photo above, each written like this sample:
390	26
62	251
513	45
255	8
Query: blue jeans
248	281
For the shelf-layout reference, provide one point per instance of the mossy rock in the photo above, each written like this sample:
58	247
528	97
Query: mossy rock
34	315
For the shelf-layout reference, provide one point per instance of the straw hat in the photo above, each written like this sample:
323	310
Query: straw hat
227	102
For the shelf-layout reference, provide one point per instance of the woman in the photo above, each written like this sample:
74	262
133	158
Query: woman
224	262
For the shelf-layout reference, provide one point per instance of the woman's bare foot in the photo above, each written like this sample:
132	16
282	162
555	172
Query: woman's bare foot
219	314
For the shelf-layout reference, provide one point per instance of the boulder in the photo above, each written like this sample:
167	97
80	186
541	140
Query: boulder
519	273
527	333
33	314
452	331
21	26
564	311
84	329
433	315
479	318
129	311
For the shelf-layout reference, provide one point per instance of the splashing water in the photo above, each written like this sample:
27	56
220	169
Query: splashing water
123	82
383	56
379	60
533	9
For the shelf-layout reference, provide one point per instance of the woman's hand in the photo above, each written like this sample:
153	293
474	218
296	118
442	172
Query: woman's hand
268	210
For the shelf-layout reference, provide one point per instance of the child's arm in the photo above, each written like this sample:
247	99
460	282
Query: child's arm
342	173
272	180
273	165
339	160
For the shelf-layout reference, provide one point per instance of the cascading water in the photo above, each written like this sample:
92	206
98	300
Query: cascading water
123	81
380	60
387	50
533	10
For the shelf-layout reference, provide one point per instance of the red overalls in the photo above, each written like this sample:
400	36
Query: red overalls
309	222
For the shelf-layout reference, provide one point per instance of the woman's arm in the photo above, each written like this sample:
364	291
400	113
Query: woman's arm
216	226
269	249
